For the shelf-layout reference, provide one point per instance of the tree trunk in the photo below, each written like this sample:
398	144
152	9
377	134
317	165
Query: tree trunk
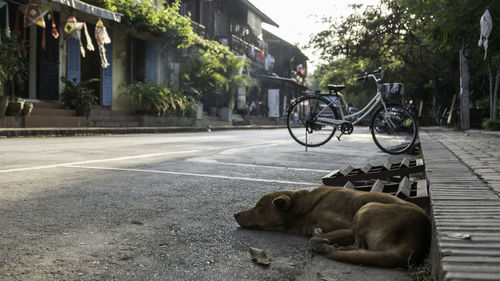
464	88
434	101
492	87
493	105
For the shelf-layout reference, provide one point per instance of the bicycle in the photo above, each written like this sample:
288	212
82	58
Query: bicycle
313	119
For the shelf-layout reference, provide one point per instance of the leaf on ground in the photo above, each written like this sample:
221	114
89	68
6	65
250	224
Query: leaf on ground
259	256
325	278
458	235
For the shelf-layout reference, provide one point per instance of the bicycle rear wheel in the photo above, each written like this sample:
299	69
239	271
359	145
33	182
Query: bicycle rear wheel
309	121
395	130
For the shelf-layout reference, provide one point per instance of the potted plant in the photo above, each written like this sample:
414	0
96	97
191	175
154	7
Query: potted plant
151	98
13	68
79	96
28	107
15	106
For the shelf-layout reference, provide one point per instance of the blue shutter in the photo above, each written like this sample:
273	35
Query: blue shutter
107	76
73	59
152	61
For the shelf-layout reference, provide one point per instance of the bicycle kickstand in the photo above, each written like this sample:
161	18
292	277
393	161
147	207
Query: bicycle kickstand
339	136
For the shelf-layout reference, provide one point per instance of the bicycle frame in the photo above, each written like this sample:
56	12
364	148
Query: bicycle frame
365	111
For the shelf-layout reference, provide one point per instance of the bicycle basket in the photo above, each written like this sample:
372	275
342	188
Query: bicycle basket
392	91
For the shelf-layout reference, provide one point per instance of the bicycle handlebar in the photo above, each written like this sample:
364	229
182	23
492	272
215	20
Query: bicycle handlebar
367	75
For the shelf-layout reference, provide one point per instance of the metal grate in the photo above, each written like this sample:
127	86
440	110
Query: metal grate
391	178
388	171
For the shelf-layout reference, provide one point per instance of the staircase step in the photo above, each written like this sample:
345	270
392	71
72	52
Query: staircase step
52	111
49	105
49	121
101	116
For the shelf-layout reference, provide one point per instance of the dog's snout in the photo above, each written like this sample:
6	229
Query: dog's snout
237	215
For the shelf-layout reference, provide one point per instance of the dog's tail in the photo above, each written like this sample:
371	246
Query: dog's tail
390	258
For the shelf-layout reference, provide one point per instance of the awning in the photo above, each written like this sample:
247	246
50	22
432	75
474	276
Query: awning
90	9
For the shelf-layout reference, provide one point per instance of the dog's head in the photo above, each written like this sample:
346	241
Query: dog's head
269	213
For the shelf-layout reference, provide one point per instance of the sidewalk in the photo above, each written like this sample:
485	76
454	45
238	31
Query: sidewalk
89	131
463	170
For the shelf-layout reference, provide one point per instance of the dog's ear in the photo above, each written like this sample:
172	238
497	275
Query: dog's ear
283	202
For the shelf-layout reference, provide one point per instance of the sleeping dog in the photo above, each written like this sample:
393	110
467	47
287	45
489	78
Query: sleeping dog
368	228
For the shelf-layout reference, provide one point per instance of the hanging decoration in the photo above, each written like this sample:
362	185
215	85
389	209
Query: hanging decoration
54	32
486	26
301	69
34	14
73	28
90	46
102	37
7	28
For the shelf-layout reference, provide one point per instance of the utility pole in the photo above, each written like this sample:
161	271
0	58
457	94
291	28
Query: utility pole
464	88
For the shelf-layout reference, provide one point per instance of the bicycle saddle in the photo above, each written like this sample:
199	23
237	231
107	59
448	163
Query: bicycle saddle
335	88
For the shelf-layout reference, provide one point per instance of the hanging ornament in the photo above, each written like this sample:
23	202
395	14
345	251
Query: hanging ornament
486	26
90	46
73	28
102	37
55	33
34	14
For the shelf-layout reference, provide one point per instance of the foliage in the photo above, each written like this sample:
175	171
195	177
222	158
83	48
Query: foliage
422	272
492	125
146	16
416	41
13	65
212	69
150	97
78	95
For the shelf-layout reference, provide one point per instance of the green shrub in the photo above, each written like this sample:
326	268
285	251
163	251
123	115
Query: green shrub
79	96
152	98
13	64
492	125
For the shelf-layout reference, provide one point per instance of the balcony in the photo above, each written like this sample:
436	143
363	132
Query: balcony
198	29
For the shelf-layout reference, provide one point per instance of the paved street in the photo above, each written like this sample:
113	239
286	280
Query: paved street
160	206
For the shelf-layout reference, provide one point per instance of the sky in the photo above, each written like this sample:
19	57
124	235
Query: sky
298	19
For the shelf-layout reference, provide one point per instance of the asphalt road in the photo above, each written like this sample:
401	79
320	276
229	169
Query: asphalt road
160	207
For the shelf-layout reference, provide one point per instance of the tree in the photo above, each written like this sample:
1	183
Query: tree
417	42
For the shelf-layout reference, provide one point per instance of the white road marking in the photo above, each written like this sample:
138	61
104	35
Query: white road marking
98	161
213	161
192	175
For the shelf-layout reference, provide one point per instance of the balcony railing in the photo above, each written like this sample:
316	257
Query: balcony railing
199	29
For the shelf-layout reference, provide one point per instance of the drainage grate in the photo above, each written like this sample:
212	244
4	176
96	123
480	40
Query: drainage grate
387	171
391	178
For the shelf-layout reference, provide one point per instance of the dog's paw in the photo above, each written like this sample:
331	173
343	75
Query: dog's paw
321	245
317	231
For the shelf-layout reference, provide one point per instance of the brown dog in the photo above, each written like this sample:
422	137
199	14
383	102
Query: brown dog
369	228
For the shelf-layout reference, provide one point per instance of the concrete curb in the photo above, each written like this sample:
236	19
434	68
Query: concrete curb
58	132
465	213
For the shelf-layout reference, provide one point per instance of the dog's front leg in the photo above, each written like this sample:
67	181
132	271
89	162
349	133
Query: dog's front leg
329	241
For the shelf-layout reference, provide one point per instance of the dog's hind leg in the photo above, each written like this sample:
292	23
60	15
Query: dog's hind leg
390	258
327	242
341	237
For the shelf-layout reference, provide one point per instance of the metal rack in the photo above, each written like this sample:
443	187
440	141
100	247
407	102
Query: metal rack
391	178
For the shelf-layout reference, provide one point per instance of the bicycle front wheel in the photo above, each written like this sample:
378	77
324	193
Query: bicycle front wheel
394	130
309	121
